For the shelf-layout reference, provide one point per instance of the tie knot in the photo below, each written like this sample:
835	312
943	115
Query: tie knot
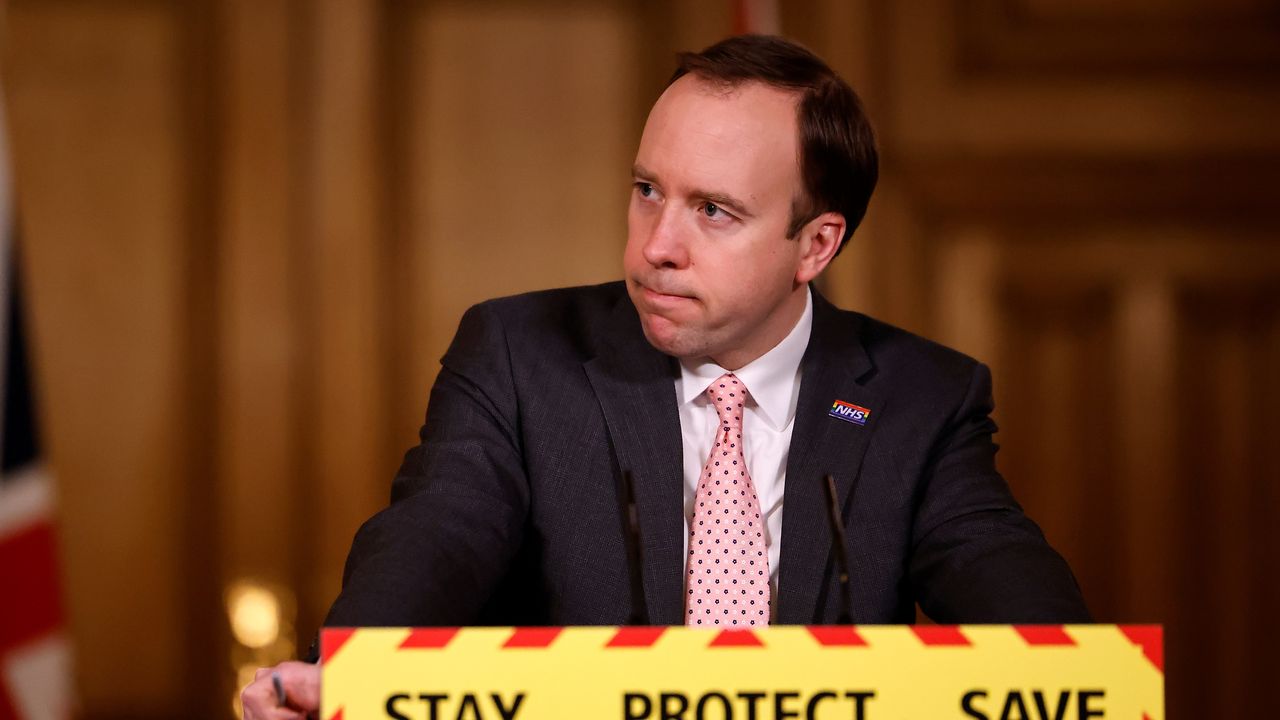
729	396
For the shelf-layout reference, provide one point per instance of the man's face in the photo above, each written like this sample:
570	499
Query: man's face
708	264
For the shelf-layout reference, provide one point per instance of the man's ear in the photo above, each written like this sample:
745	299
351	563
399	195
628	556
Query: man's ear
819	240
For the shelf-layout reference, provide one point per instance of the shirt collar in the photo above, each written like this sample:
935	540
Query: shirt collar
772	379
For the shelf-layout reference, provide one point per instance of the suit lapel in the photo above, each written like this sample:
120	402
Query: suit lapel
835	367
635	386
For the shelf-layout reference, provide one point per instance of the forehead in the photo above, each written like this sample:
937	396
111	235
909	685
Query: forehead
741	138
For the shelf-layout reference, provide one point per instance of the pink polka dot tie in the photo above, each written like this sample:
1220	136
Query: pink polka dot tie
728	571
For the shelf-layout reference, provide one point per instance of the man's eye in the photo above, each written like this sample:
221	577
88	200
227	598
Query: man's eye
644	188
712	210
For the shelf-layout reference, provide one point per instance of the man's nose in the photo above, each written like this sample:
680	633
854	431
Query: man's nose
666	245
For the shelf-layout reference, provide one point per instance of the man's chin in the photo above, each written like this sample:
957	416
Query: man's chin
670	338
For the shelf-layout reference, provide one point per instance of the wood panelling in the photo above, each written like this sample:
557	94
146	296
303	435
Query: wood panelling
1136	38
940	106
1083	196
848	34
1059	423
350	447
1135	369
1135	372
516	182
1226	465
251	228
486	137
97	134
258	313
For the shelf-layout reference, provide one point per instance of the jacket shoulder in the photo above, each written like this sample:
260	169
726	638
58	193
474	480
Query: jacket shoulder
915	371
557	321
587	300
893	348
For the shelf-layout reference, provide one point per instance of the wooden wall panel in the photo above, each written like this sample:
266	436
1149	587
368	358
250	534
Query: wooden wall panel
519	155
258	313
1226	463
1134	371
252	226
345	254
1019	108
95	106
849	36
1082	195
1203	39
1059	422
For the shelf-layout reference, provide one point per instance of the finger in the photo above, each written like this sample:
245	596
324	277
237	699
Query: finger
275	714
261	673
258	700
301	684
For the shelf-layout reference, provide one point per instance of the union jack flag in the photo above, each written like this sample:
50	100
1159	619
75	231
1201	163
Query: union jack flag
35	665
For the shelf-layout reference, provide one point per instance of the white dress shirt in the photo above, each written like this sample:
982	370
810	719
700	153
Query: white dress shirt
773	383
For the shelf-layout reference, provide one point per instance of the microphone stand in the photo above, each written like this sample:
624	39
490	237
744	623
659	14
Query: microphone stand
631	521
837	541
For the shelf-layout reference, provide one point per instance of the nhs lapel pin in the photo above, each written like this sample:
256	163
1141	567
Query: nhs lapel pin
849	412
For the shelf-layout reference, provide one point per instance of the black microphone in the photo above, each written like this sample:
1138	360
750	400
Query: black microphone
837	540
635	566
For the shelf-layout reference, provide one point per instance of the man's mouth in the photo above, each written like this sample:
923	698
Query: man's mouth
664	297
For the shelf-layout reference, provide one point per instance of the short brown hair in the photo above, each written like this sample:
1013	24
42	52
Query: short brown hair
838	159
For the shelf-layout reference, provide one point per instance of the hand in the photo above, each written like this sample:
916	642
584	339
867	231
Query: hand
301	686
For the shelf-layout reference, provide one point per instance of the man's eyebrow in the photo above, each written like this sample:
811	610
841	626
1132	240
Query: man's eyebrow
715	198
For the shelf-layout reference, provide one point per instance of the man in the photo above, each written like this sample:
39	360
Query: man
726	389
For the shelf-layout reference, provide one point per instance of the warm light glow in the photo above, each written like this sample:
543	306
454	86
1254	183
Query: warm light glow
255	614
244	676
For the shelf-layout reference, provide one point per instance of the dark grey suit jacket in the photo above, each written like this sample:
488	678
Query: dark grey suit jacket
508	511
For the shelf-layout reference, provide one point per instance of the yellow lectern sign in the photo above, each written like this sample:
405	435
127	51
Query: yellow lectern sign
968	672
